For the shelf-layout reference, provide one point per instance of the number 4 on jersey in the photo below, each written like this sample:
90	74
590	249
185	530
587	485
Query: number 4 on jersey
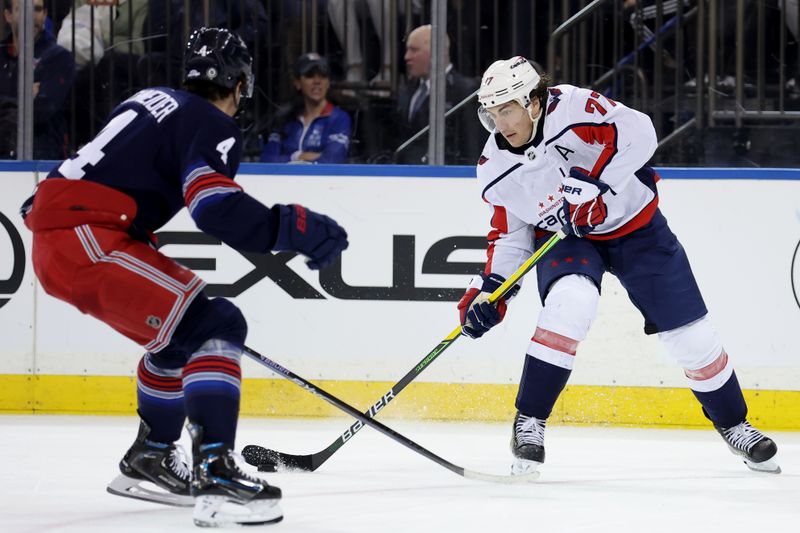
92	153
224	147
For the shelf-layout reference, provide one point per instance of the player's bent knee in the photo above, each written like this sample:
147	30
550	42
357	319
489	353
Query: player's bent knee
694	345
570	307
232	324
207	319
698	349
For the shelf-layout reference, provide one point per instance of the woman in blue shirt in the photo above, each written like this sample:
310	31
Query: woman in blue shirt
313	130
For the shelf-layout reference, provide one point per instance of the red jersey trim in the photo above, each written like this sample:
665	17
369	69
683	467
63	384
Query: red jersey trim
555	341
710	370
206	182
640	220
500	225
605	134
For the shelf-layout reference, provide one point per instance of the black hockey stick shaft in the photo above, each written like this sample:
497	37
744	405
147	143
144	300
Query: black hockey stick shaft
392	434
259	456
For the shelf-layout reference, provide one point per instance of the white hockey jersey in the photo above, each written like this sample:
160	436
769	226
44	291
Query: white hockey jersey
582	129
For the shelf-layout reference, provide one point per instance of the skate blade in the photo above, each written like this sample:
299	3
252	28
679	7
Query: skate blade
129	487
220	511
769	466
521	467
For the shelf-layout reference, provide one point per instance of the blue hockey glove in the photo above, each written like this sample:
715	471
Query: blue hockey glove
316	236
583	205
476	313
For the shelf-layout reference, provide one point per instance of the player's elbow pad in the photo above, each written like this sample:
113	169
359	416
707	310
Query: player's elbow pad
240	221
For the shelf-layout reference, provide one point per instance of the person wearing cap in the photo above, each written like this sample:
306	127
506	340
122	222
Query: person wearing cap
312	129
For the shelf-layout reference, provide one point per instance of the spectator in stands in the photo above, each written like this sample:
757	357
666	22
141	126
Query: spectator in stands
345	21
312	129
463	142
92	24
108	45
53	74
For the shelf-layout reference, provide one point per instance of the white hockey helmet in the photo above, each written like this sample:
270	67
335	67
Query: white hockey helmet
506	80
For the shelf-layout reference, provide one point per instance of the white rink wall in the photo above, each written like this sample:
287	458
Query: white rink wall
741	229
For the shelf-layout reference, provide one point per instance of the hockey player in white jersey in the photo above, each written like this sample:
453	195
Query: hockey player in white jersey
566	156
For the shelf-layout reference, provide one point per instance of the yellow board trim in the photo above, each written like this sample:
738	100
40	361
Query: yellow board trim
579	404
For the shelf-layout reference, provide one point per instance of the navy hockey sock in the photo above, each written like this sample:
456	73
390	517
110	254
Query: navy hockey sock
159	393
539	387
212	382
725	407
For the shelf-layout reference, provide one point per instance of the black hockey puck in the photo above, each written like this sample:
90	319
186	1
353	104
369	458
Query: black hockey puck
267	467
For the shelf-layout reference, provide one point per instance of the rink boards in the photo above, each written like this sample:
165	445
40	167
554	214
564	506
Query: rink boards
417	234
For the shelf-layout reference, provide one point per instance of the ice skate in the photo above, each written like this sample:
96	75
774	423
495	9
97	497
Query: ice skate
225	495
147	464
756	449
527	444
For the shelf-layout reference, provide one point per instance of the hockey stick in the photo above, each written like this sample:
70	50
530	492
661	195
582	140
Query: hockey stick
365	419
268	460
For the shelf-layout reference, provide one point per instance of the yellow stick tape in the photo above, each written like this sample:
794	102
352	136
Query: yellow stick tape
579	404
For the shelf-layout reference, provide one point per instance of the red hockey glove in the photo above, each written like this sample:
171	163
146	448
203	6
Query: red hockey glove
476	313
583	206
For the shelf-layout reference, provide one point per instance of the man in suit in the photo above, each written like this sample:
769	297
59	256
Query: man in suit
463	142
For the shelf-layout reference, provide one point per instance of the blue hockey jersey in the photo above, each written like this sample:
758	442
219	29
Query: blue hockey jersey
168	148
328	134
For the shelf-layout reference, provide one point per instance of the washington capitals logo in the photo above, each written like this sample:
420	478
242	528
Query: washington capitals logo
556	94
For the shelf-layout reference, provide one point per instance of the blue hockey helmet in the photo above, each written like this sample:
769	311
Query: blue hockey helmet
218	56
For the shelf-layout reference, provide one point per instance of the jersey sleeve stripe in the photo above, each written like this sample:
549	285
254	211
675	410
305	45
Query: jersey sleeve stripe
605	134
194	174
206	187
590	133
208	181
209	195
499	227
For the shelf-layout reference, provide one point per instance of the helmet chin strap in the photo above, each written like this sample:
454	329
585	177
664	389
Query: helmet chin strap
535	122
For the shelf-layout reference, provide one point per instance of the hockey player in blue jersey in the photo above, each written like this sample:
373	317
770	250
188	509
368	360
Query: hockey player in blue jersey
565	155
93	221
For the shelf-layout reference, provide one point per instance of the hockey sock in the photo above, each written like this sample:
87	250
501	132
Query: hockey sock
725	407
539	387
159	393
212	383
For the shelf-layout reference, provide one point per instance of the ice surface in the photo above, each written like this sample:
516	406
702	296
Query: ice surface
54	470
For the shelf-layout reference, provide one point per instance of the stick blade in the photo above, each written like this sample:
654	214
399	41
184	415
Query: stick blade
511	479
267	460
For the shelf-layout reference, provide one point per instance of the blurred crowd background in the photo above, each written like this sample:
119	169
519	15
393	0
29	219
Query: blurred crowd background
348	81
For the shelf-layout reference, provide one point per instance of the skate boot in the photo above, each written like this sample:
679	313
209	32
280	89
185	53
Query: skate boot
756	449
161	464
527	444
224	494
